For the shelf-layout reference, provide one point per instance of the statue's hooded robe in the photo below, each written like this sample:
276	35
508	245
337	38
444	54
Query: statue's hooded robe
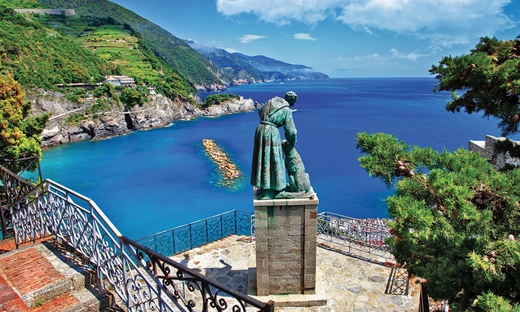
268	169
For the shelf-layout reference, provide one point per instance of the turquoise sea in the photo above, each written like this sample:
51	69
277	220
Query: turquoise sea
150	181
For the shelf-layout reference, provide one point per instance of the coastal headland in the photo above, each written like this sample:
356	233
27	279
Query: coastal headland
158	112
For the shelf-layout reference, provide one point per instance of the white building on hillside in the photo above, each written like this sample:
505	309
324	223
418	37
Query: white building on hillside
120	81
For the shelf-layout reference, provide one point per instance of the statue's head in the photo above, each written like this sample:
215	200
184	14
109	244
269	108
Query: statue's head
291	97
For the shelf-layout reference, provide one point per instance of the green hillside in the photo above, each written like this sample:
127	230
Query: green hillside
27	4
43	50
185	61
40	57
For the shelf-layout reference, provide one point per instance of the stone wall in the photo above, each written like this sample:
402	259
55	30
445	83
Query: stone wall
486	149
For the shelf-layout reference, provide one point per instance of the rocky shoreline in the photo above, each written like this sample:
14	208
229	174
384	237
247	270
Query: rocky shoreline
159	112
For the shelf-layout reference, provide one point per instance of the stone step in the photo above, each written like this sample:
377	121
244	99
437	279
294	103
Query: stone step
49	278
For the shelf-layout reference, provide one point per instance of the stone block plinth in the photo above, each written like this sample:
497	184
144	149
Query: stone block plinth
286	245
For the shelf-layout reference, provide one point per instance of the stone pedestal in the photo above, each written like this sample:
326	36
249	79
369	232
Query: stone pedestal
286	245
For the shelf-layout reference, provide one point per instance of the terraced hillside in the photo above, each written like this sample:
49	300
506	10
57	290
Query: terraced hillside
181	58
112	42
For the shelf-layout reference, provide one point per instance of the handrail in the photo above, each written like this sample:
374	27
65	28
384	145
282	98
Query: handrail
89	201
361	235
211	293
29	162
16	189
76	220
200	232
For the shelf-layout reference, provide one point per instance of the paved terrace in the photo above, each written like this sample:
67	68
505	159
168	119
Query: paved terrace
343	283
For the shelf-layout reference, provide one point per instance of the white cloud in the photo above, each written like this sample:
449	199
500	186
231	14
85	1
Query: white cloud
443	22
249	38
410	56
281	12
304	36
393	56
231	50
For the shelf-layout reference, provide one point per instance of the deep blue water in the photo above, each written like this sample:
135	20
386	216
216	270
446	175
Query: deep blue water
154	180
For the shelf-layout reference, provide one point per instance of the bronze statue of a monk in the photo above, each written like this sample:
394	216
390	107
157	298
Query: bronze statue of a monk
268	168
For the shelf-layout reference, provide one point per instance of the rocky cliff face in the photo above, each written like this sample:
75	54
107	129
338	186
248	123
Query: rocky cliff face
159	112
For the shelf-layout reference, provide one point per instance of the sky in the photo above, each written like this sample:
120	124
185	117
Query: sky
341	38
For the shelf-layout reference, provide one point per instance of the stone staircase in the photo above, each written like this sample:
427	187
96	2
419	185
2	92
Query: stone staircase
46	277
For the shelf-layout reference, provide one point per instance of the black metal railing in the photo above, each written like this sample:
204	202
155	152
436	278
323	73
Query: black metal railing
355	236
142	279
428	304
191	288
198	233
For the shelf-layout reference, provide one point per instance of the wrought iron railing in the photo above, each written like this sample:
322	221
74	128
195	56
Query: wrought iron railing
190	288
355	236
143	279
17	187
13	187
198	233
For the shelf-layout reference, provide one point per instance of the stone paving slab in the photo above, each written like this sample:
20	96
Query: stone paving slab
348	283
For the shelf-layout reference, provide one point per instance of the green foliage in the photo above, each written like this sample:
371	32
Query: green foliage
72	97
216	99
74	119
491	303
16	4
106	89
457	221
19	132
39	57
174	86
489	80
134	96
101	105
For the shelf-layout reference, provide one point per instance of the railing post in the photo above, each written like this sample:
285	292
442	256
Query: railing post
173	242
236	230
206	227
191	241
424	305
16	237
155	242
3	223
270	306
221	226
251	226
127	292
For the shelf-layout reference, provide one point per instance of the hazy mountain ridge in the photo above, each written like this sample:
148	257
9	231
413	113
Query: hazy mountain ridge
257	68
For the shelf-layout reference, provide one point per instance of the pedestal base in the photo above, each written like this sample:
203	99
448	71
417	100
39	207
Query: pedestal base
286	245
